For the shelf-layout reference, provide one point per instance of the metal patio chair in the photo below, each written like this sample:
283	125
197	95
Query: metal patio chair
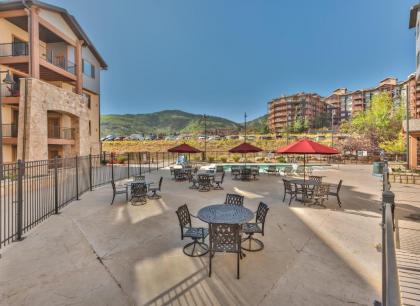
287	171
218	180
235	171
118	190
204	182
320	194
290	189
179	175
255	171
234	199
139	178
256	227
272	170
192	178
154	189
245	174
225	238
139	193
336	192
199	248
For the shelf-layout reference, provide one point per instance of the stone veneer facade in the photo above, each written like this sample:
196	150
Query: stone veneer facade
33	120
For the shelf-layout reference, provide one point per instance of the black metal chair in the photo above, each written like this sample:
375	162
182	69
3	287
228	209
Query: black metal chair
139	193
195	233
310	190
204	182
220	169
225	238
218	180
320	194
272	170
289	189
179	175
235	171
156	188
234	199
255	171
118	190
336	193
256	227
192	178
139	178
246	174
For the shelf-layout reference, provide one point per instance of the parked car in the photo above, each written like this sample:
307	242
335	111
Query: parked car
201	137
119	138
109	138
170	137
136	137
151	137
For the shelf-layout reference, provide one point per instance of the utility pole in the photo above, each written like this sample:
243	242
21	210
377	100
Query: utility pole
332	127
205	136
245	127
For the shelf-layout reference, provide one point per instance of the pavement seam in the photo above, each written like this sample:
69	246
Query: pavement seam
99	259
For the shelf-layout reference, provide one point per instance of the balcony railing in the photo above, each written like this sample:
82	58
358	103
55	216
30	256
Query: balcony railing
60	62
10	130
10	90
58	132
14	49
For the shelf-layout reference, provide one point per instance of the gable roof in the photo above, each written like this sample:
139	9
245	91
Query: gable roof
71	21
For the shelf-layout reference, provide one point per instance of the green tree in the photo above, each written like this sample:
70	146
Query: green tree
298	126
306	125
381	123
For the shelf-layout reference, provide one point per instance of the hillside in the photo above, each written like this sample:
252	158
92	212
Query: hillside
167	122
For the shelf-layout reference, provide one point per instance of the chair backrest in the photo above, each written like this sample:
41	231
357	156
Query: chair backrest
287	185
219	169
321	191
139	178
340	183
261	214
225	237
160	183
316	178
234	199
246	171
203	179
183	217
138	189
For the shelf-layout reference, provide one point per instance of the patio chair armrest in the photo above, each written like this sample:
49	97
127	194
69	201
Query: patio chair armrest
193	216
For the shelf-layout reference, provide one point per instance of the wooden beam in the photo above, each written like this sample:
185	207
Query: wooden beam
34	43
13	13
7	60
78	60
57	32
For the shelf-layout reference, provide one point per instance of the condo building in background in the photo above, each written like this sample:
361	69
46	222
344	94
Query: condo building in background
342	105
285	110
52	106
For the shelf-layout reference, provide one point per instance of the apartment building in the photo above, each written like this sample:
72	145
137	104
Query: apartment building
50	86
285	110
414	122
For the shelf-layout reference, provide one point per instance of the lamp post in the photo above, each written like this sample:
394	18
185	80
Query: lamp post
7	80
407	119
205	136
245	126
332	127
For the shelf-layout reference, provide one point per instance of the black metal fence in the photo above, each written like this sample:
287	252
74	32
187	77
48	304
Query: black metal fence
32	191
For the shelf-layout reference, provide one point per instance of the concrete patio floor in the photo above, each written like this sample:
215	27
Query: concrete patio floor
97	254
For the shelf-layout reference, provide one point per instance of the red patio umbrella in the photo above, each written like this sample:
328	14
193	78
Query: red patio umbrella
245	148
304	147
184	148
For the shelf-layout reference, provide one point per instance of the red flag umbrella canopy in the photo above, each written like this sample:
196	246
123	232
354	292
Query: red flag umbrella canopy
245	148
306	146
184	148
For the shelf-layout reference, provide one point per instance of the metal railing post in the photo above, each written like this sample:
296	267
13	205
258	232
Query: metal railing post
140	163
157	161
112	166
56	185
148	157
128	164
20	165
90	173
77	176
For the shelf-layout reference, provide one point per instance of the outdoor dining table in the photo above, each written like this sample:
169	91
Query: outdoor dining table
147	182
304	184
227	214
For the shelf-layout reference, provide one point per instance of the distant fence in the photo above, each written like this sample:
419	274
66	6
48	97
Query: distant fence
32	191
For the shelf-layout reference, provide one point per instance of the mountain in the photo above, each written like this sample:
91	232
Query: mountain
258	125
167	122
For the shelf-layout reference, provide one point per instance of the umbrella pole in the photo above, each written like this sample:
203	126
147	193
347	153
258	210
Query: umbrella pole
304	167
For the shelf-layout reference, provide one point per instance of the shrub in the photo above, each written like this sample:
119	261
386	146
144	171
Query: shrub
236	159
281	159
121	159
210	159
223	159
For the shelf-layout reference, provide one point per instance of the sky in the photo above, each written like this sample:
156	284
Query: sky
227	57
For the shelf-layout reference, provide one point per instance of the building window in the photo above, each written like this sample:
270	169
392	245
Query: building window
88	69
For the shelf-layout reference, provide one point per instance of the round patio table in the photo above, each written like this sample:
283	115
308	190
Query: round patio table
227	214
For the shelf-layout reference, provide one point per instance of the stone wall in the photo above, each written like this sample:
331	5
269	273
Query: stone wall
33	128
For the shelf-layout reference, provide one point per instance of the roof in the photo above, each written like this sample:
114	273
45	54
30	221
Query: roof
71	21
413	16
